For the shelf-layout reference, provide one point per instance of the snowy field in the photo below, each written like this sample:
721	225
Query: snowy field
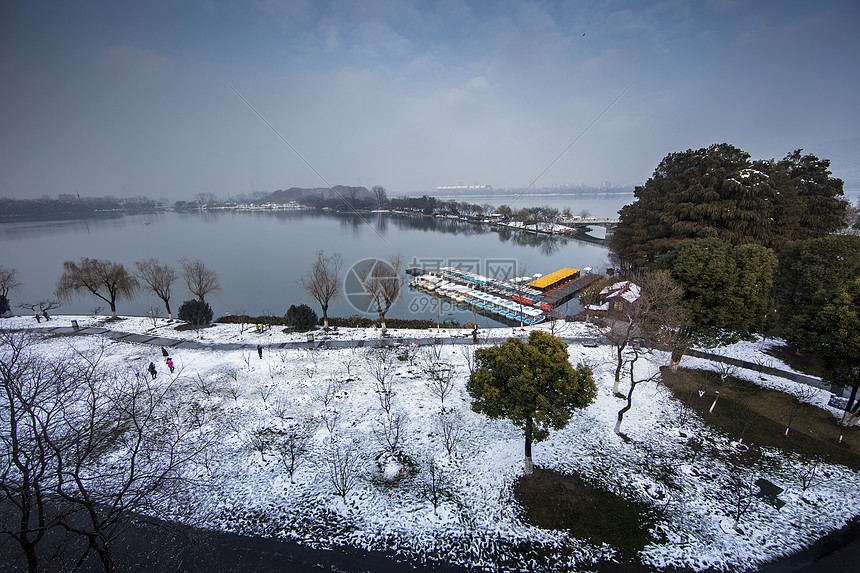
477	523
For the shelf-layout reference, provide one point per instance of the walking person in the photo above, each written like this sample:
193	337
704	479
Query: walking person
260	351
152	371
164	352
170	364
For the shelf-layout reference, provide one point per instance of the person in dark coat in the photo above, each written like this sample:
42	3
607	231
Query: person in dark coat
260	350
164	352
152	370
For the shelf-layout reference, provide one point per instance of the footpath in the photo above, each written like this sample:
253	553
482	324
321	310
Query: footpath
313	342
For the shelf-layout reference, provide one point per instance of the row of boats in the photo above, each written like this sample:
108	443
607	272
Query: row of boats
441	285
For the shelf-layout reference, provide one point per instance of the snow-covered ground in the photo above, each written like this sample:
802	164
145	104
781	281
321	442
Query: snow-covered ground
478	523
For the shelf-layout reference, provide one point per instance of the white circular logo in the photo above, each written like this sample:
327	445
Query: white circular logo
361	280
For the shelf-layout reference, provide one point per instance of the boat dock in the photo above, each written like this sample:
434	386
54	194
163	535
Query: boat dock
523	299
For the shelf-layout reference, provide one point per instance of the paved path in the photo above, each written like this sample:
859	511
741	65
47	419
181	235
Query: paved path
329	342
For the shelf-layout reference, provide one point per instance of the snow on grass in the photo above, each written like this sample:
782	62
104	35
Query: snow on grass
679	464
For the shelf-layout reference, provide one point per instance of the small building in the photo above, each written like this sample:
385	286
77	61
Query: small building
619	296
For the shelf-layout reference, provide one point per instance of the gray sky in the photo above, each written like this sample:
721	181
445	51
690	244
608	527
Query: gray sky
131	98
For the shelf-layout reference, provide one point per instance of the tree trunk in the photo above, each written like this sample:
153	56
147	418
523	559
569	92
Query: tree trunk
851	414
528	466
325	316
677	354
102	549
167	306
618	368
382	321
113	309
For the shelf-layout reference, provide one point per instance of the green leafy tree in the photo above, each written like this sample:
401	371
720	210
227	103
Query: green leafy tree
106	280
817	299
835	333
531	383
301	317
807	268
727	291
195	312
718	192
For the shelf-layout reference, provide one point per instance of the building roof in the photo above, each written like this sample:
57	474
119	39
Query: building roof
552	278
627	290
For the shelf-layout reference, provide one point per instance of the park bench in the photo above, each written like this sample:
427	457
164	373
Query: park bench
769	493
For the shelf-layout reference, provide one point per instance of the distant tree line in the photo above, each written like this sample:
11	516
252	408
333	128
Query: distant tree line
71	206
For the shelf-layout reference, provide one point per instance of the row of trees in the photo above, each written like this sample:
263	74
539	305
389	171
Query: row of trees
112	282
66	205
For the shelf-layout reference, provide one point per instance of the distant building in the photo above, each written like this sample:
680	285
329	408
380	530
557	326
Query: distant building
617	297
464	188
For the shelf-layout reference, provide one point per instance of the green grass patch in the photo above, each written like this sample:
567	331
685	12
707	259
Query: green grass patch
553	500
760	416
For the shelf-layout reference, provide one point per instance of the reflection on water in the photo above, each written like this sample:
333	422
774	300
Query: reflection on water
260	256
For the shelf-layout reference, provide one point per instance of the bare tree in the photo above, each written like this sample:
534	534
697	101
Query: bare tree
468	353
8	280
106	280
159	278
292	445
434	485
344	466
96	446
726	371
322	283
810	473
741	491
42	306
122	449
441	382
800	398
451	431
380	196
199	279
379	363
30	403
389	430
633	383
383	282
653	313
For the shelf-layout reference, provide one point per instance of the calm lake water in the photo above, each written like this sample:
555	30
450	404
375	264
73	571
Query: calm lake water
260	257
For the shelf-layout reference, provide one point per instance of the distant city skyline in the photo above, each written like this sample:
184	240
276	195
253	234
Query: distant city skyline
127	99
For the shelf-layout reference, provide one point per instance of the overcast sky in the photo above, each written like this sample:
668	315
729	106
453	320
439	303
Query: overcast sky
134	98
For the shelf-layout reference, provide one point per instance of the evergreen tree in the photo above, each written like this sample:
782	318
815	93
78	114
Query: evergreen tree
195	312
301	317
727	289
718	192
531	383
815	267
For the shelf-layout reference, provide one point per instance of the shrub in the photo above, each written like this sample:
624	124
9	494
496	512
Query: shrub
195	312
246	319
301	317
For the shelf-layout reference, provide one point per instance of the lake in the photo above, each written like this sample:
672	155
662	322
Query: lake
260	256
